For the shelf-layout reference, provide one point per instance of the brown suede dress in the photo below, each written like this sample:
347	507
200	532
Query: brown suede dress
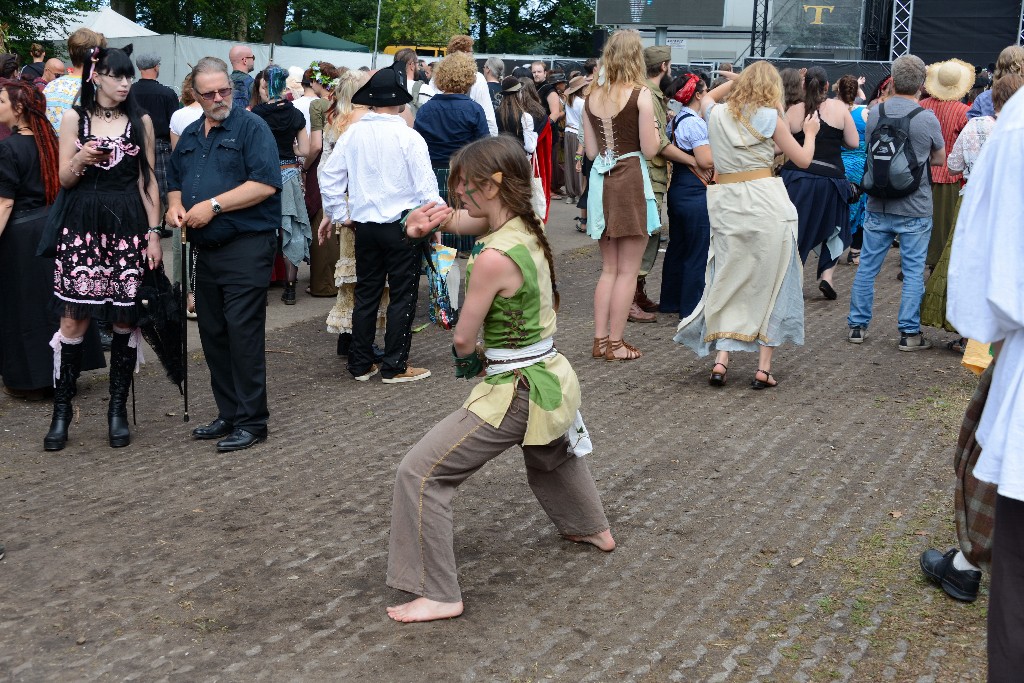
625	207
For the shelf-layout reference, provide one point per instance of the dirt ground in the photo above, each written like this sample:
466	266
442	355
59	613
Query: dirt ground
763	536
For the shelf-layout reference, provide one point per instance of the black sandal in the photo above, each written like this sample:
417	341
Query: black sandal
758	384
717	379
826	289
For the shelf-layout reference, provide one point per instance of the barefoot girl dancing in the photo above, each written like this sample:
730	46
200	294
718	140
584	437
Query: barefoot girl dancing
530	395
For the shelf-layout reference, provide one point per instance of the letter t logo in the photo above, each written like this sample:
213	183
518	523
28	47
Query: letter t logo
818	9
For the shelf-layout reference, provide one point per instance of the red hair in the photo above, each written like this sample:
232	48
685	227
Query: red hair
32	105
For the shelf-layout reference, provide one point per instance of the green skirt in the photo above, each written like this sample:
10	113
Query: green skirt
933	306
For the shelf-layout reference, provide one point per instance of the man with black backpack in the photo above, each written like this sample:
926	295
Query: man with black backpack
902	141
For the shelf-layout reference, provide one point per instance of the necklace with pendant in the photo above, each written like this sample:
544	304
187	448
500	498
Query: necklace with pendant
108	114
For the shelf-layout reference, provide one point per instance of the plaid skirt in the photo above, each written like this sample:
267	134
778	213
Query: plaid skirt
463	243
975	500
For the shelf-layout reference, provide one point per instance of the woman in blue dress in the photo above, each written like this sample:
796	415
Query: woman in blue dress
853	160
686	258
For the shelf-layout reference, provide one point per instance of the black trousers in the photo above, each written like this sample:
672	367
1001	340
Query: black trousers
231	299
1006	596
382	254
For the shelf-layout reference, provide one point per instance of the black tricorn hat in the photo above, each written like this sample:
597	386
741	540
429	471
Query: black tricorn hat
386	88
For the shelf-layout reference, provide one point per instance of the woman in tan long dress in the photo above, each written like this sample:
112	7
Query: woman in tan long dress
619	132
753	293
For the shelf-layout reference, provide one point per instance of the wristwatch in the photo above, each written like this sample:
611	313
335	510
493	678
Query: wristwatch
216	205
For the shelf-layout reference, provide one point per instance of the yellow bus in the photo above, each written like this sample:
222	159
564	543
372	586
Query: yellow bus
421	50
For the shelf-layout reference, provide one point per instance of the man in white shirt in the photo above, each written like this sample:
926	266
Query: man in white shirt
986	302
479	93
380	169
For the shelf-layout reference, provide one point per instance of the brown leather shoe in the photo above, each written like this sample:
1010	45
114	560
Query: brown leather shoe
638	316
641	299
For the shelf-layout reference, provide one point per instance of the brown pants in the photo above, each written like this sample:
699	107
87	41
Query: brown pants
421	556
322	259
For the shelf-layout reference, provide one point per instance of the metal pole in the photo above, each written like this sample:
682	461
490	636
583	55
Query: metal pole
376	34
661	35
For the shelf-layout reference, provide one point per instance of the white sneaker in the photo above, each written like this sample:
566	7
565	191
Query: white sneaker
368	374
411	374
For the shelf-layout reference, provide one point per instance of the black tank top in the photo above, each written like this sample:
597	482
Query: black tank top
828	158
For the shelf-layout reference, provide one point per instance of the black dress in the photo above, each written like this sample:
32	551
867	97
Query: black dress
28	318
101	252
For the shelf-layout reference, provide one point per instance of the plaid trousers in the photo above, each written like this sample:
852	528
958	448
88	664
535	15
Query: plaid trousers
975	500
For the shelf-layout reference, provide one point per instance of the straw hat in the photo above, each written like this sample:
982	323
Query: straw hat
949	80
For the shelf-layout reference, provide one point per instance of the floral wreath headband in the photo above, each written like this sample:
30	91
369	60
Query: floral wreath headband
322	78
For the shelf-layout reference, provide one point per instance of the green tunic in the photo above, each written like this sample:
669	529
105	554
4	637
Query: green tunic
515	322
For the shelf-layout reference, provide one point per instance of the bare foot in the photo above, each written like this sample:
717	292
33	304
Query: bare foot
422	609
602	539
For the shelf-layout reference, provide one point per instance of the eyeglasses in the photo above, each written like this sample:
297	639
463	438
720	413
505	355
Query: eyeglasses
117	79
212	95
252	57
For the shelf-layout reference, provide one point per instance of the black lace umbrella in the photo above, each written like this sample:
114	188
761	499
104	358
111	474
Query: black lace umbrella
162	323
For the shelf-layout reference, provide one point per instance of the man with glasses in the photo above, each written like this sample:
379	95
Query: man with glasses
223	187
243	61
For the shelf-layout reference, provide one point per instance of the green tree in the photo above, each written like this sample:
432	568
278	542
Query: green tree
424	22
22	22
569	28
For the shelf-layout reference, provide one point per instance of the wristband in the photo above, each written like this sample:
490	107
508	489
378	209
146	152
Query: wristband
468	366
158	230
73	171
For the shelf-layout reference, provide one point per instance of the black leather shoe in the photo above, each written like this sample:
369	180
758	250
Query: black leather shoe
961	584
239	440
217	429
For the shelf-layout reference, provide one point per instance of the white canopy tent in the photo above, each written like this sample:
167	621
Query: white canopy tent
105	21
179	53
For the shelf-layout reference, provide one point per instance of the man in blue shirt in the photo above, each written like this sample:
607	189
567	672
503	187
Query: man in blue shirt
224	185
243	61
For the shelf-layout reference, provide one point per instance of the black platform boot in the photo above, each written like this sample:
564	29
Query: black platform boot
63	392
122	364
288	296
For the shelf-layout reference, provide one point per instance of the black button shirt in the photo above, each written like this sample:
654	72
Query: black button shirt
203	166
157	100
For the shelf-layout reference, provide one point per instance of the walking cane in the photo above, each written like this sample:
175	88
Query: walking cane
184	318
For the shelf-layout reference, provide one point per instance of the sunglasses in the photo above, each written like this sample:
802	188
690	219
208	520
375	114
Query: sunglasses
224	93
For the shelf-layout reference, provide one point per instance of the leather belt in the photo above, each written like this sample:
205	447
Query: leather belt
291	165
744	176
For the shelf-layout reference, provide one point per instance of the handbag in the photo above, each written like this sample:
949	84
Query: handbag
54	224
538	201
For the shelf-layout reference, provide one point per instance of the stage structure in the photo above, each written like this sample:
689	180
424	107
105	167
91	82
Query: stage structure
660	12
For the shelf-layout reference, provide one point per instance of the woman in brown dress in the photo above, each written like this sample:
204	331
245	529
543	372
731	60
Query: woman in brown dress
619	132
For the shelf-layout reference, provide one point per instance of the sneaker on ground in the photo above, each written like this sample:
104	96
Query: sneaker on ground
368	374
857	335
914	342
411	374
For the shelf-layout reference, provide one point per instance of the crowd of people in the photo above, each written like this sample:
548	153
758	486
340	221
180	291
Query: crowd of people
355	172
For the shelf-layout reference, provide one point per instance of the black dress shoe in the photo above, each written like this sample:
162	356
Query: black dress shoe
961	584
239	440
217	429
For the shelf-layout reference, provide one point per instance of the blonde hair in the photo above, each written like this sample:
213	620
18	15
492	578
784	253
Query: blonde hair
759	85
456	73
340	115
1011	61
622	61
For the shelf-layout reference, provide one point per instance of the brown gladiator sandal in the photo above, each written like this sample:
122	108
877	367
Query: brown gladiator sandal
613	346
599	345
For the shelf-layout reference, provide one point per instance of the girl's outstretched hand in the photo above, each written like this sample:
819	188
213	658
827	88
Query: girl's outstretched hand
421	221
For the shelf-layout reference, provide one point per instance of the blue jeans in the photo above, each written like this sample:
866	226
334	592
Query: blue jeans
879	231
